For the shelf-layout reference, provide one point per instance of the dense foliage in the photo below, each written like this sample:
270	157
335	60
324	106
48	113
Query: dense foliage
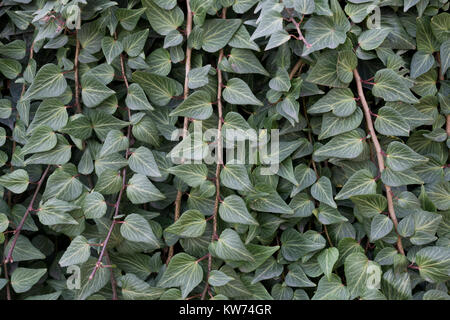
95	186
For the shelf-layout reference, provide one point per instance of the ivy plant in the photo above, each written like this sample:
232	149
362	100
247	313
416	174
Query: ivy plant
111	188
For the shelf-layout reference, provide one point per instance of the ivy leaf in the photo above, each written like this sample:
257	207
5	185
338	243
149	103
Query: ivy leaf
163	21
355	267
295	245
244	61
115	141
434	263
396	286
198	106
426	41
172	39
79	126
198	77
42	139
51	113
49	82
15	49
136	98
302	205
218	278
322	192
10	68
325	72
296	277
271	22
360	183
234	210
111	48
78	252
238	92
380	226
333	125
159	62
445	56
304	6
399	178
24	250
142	161
136	228
141	190
109	182
328	215
159	89
183	271
192	174
327	259
55	211
218	32
390	122
269	269
348	145
373	38
94	92
346	63
331	289
340	101
235	176
241	39
22	279
16	181
134	288
229	247
94	205
305	177
277	39
369	205
326	32
400	157
281	81
271	202
5	108
392	87
63	185
191	224
4	222
440	26
438	193
421	62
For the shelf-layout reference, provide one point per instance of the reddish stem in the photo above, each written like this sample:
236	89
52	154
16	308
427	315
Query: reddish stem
186	120
379	153
124	184
218	158
8	258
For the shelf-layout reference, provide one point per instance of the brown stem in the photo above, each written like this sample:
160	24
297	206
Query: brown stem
219	157
124	182
5	269
441	75
296	68
77	82
8	258
447	126
186	120
300	34
305	113
327	235
441	78
379	153
112	277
